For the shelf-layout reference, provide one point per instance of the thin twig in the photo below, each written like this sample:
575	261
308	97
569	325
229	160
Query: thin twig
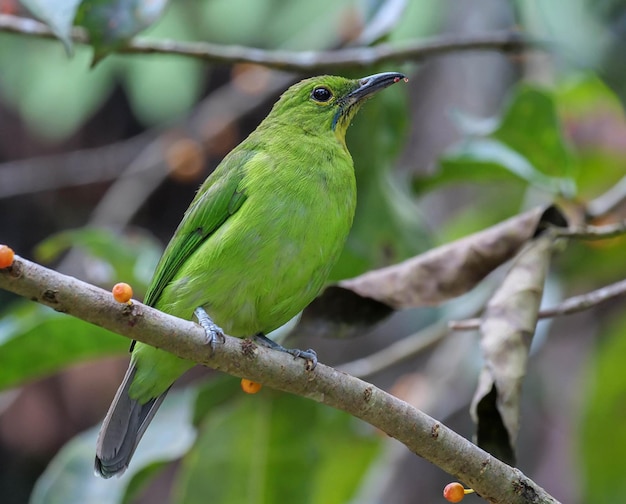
303	61
398	351
591	232
75	168
424	436
567	307
609	201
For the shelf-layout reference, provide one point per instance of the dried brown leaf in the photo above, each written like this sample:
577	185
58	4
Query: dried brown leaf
450	270
507	329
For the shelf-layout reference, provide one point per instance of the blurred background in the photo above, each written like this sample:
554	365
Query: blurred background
97	166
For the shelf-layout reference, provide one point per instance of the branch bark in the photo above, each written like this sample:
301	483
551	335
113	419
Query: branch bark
492	479
305	61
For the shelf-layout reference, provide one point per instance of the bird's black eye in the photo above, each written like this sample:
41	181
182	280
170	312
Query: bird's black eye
321	94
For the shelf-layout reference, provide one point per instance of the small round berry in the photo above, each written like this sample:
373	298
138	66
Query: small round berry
454	492
6	256
250	387
122	292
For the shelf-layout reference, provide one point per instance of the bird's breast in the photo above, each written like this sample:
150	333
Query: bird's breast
271	258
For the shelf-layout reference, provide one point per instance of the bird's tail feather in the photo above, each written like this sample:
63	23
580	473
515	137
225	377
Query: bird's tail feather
122	428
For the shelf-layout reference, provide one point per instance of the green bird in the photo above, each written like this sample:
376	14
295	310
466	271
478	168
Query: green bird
255	246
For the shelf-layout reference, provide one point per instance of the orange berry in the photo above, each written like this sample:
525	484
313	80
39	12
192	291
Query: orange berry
6	256
122	292
250	387
454	492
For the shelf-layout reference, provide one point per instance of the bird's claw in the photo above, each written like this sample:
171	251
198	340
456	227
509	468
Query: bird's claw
309	355
213	332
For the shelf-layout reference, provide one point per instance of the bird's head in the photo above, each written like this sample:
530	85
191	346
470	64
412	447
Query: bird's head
328	103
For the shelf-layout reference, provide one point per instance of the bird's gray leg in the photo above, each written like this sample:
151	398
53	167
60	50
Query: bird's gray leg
308	355
211	329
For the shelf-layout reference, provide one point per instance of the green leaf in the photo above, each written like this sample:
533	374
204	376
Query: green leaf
584	96
240	21
487	159
52	93
527	142
161	89
69	477
215	393
36	341
112	23
531	126
603	434
58	15
274	447
595	118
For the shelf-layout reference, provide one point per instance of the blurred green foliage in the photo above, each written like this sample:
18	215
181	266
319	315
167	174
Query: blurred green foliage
275	447
603	435
266	448
37	341
558	142
56	94
526	143
70	478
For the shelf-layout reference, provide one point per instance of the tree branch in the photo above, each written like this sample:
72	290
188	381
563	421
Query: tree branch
304	61
571	305
69	169
424	436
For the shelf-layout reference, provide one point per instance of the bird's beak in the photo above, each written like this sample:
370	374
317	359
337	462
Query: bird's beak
368	86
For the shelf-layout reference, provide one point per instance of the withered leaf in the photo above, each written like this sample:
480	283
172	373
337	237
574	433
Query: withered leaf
448	271
507	328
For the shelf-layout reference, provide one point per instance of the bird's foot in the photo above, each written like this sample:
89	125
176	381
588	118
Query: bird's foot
213	332
309	355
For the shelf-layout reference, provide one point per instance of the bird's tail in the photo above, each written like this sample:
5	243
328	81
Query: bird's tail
122	428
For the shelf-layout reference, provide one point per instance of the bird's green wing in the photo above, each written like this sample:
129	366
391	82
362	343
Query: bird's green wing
217	199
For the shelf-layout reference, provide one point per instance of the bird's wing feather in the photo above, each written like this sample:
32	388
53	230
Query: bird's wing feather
216	200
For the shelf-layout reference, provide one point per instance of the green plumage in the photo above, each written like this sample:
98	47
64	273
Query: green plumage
256	244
